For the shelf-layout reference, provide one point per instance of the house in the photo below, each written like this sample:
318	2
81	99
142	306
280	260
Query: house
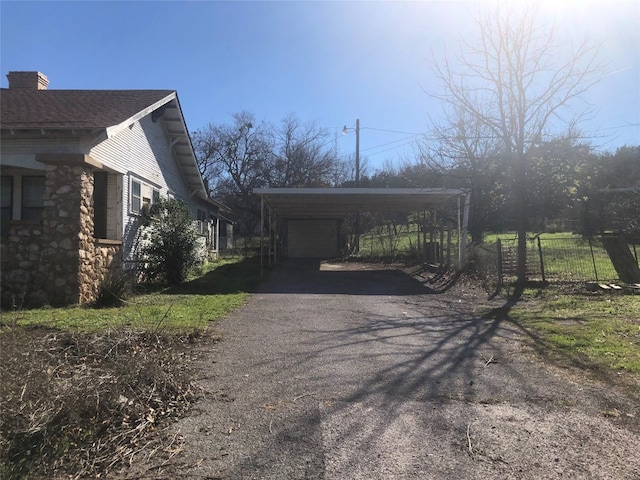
78	169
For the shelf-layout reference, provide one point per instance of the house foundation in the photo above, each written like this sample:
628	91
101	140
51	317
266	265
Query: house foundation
58	261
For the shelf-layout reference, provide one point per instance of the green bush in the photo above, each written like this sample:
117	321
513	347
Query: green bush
169	251
113	289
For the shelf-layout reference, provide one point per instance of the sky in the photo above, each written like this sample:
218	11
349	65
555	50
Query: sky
327	62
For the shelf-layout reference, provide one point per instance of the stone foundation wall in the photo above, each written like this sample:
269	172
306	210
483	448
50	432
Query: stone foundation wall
58	262
108	260
20	259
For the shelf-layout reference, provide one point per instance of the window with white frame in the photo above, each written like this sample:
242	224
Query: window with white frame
142	196
202	222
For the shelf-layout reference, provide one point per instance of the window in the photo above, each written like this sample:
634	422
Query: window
202	222
136	196
6	192
32	198
142	196
100	204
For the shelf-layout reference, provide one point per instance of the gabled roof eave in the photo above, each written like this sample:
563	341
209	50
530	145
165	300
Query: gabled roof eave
198	186
115	129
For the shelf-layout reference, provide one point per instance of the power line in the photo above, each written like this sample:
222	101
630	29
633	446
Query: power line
389	149
391	131
425	136
386	144
621	126
389	143
412	135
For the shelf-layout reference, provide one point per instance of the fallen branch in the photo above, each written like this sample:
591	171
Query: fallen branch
469	438
304	395
487	362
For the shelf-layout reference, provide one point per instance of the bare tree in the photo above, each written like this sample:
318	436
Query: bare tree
516	81
463	149
303	155
341	173
235	158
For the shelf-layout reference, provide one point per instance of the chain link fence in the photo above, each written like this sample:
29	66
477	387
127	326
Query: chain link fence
553	259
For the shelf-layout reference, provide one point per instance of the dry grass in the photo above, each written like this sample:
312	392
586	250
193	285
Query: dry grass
77	405
91	393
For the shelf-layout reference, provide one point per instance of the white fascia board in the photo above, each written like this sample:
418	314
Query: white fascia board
194	162
115	129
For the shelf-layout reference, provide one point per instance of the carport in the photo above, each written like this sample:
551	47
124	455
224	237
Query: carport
322	206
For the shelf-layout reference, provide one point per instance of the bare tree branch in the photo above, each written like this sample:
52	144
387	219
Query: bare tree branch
515	81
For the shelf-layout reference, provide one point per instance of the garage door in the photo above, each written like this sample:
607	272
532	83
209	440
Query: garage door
312	238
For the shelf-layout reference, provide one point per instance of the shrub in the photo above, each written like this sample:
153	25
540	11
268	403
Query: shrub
114	289
169	252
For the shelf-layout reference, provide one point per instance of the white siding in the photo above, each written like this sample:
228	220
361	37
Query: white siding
114	206
312	238
143	152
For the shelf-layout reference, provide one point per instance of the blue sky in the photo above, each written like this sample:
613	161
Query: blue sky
330	62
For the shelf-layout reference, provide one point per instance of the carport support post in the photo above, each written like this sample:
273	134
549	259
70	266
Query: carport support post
217	237
449	228
441	247
269	238
275	238
462	231
261	235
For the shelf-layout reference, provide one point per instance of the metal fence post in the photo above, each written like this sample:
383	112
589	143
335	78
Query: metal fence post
541	260
593	259
500	276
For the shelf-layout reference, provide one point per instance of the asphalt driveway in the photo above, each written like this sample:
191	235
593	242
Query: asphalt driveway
354	372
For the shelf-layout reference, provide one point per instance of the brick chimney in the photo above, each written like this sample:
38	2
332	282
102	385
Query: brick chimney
27	80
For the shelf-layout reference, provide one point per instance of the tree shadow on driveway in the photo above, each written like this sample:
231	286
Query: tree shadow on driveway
365	373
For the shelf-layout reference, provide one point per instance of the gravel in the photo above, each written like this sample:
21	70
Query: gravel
354	371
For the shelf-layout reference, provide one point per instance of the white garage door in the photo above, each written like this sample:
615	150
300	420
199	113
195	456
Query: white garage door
313	238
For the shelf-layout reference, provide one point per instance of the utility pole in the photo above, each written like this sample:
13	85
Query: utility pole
356	226
357	220
357	152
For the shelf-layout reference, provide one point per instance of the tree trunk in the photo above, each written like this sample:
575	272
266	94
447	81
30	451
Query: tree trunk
623	260
522	217
521	265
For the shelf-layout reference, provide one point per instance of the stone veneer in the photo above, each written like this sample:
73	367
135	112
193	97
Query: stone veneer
58	262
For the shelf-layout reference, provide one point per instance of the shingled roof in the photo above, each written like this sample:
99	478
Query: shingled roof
75	109
27	108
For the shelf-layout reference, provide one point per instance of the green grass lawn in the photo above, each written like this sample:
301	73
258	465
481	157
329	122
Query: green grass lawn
221	287
601	330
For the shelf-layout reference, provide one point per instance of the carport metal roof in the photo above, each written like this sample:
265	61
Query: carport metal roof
329	203
337	202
